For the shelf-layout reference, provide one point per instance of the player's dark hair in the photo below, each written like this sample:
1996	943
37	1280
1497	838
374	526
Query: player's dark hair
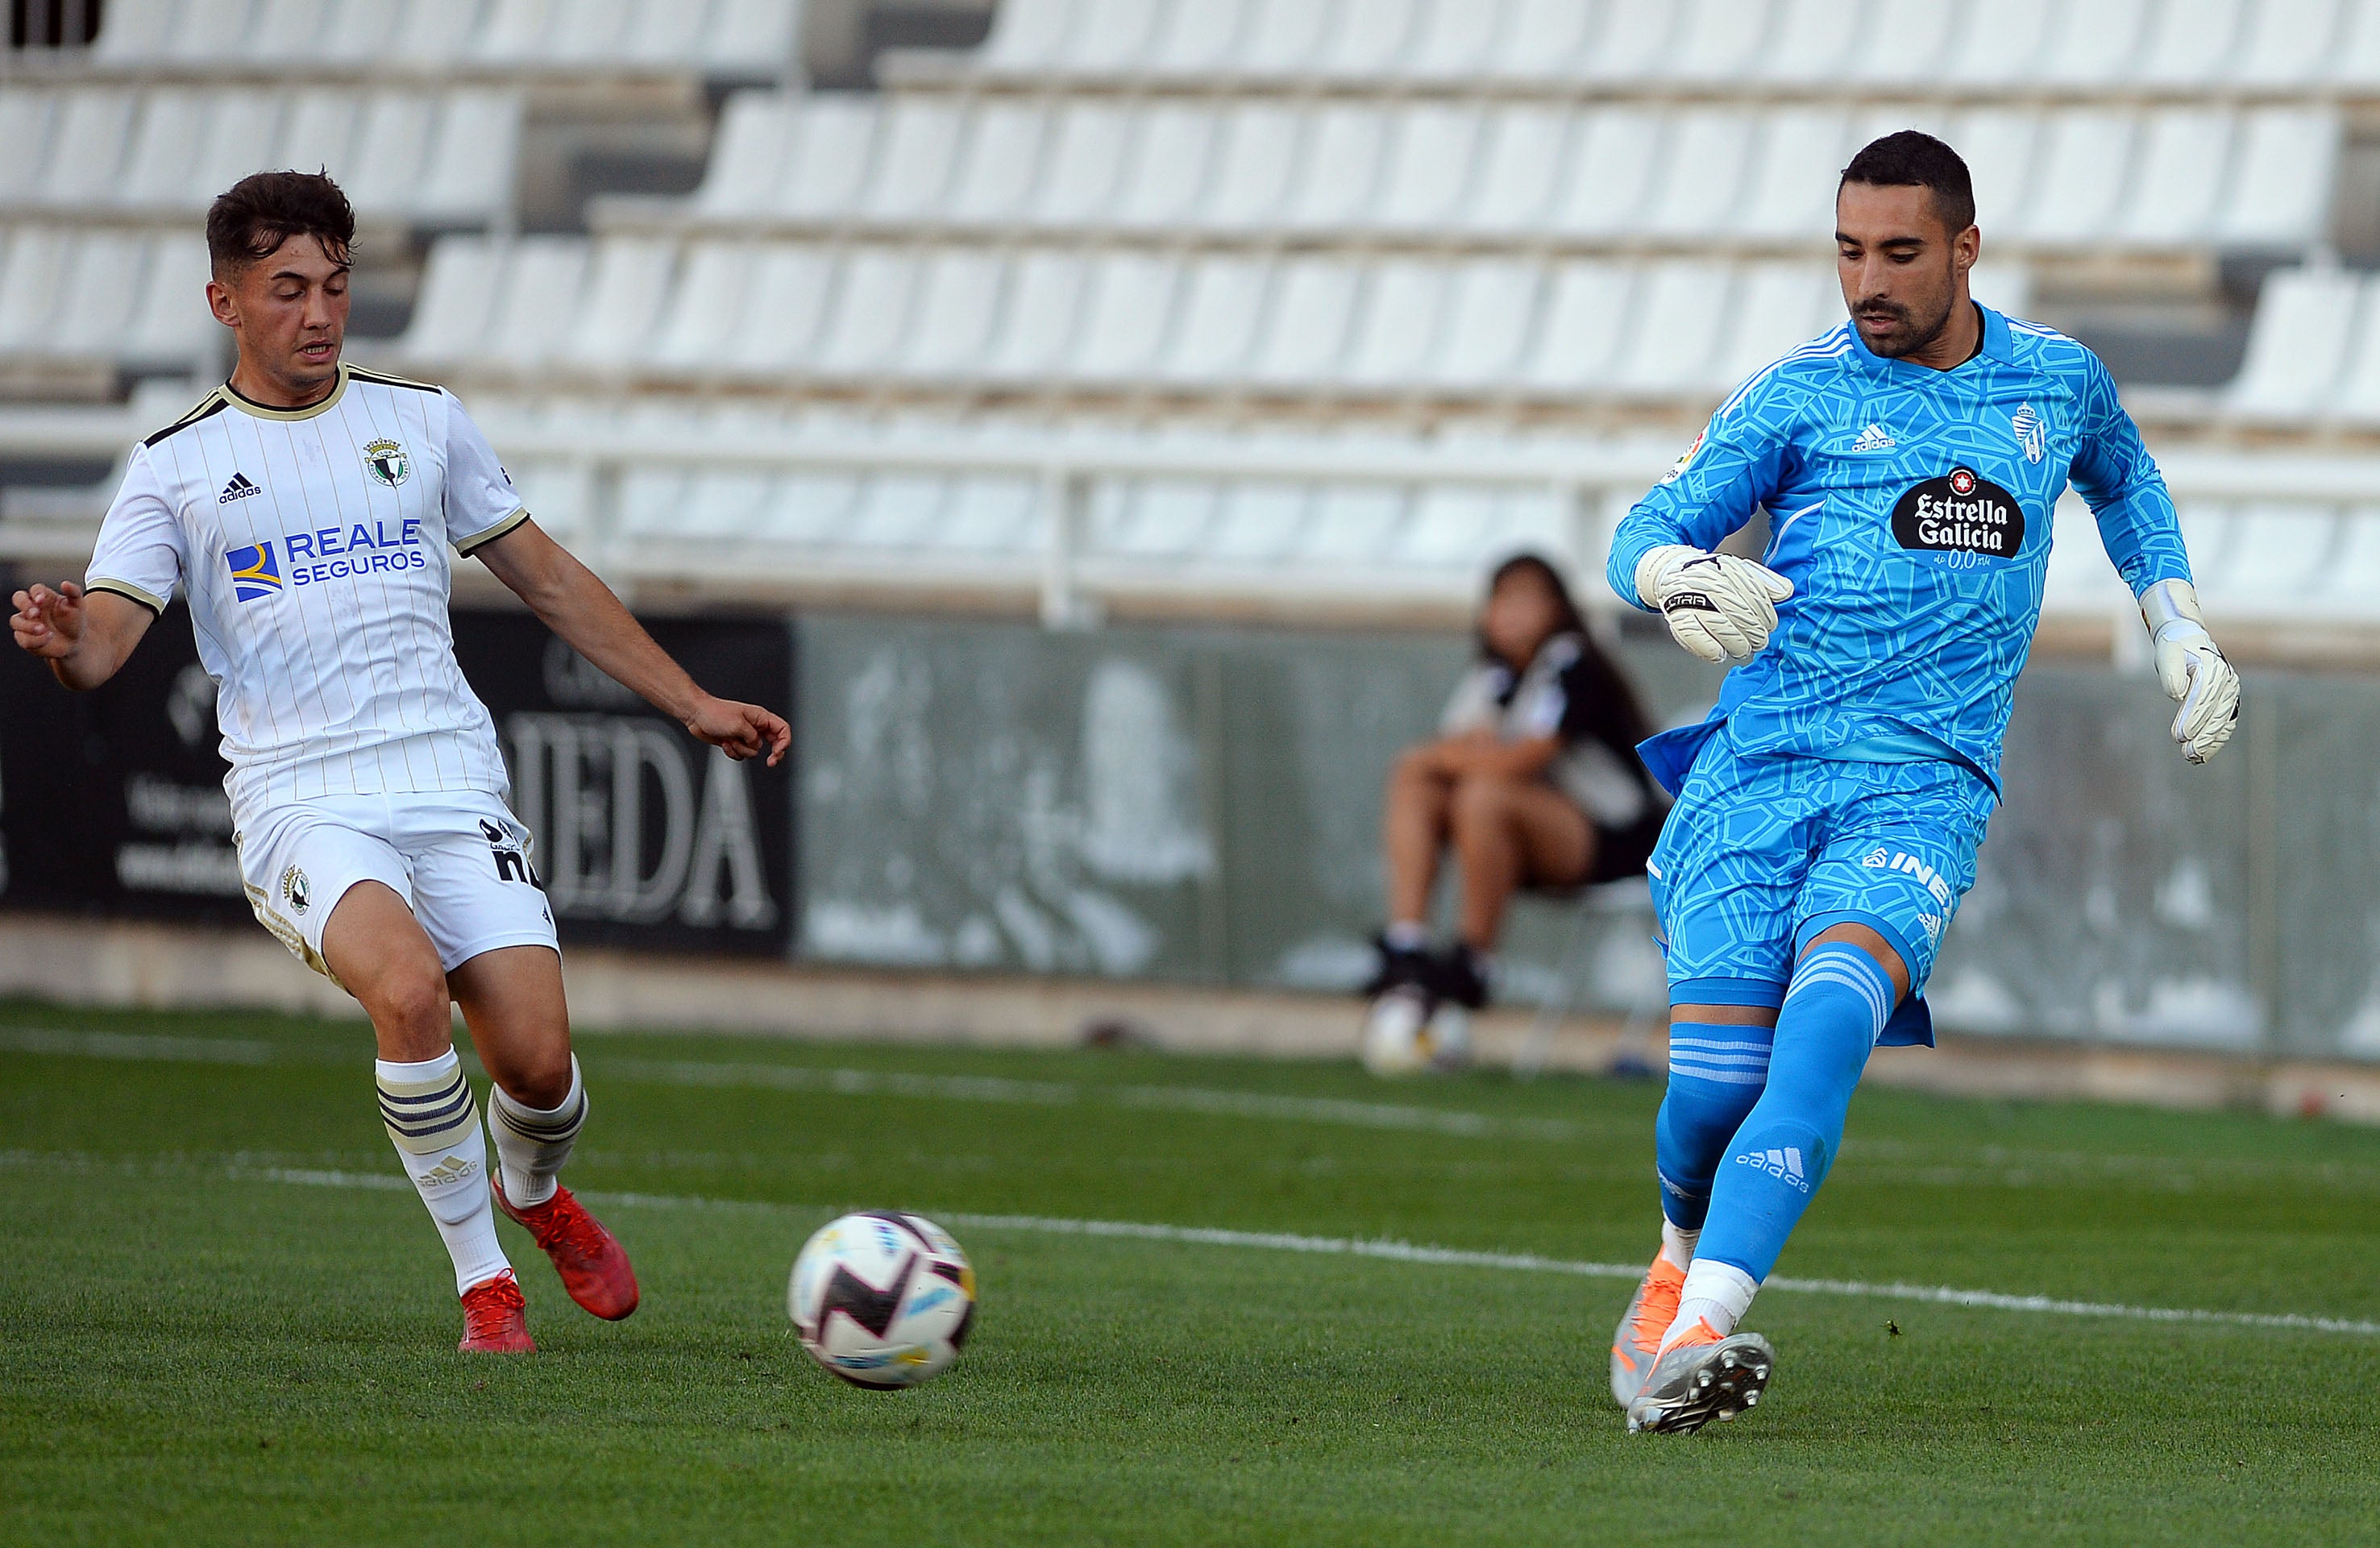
251	219
1615	699
1908	159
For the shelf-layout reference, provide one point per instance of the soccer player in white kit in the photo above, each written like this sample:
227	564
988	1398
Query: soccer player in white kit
306	508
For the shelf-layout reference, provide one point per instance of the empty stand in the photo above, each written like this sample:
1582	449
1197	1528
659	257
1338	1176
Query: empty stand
432	158
929	319
2018	47
375	40
1459	172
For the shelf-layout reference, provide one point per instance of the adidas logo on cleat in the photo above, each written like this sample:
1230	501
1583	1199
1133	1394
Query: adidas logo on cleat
240	487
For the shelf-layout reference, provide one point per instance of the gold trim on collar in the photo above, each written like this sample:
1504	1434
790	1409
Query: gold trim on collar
249	406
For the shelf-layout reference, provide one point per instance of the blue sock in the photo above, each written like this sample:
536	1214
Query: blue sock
1834	1012
1716	1073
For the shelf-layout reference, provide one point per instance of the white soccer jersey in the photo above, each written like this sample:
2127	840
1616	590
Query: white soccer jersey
312	545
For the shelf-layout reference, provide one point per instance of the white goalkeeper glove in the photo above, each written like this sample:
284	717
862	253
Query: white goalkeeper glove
2192	670
1720	608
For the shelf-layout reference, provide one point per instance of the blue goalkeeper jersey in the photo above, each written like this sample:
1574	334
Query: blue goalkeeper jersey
1910	509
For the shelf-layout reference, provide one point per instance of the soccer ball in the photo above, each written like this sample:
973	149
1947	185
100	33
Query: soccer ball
1406	1035
882	1299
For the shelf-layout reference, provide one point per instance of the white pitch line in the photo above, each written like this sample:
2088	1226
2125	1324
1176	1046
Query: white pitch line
1411	1252
869	1082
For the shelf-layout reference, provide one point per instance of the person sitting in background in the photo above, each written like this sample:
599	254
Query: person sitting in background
1533	781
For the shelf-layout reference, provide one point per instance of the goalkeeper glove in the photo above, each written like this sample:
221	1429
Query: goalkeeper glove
1720	608
2192	670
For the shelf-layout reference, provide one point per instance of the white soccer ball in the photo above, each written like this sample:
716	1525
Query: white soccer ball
1406	1035
882	1299
1393	1033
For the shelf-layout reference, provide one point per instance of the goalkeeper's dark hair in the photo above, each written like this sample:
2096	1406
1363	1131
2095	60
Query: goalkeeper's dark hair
250	219
1908	159
1616	704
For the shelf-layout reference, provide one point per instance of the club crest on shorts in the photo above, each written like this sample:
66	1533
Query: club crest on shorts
387	461
295	891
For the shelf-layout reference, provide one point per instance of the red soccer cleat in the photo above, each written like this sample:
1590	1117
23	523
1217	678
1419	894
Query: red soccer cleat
593	1265
495	1318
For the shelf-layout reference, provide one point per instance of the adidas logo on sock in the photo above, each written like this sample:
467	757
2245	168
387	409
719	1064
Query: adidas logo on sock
454	1168
239	488
1876	438
1783	1164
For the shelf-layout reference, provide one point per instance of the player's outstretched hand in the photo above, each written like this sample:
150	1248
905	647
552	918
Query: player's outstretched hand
2192	670
49	624
740	731
1720	607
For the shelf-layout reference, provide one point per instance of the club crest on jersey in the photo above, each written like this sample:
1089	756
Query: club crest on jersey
387	461
254	571
2032	439
1959	513
295	891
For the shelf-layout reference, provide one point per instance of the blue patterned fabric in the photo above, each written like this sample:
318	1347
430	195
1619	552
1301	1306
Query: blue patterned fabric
1910	509
1764	851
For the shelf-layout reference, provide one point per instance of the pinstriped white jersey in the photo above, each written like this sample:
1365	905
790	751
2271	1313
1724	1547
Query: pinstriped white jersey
313	544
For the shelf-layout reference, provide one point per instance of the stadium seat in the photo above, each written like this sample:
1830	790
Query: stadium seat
2275	561
2080	178
2278	193
627	286
2297	344
1133	301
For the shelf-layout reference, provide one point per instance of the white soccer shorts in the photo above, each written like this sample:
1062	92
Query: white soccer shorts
460	860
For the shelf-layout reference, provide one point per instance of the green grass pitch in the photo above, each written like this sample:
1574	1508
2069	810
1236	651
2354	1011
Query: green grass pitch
214	1329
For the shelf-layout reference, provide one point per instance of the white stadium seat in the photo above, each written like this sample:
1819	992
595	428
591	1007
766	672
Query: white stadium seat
1002	162
1550	38
1168	175
1612	170
627	285
1586	315
1405	313
1342	165
2080	176
1488	322
827	164
1042	317
2190	41
2173	199
2278	193
2275	562
1431	166
1306	335
789	291
1132	305
2288	41
1251	182
917	156
957	313
1222	311
1086	162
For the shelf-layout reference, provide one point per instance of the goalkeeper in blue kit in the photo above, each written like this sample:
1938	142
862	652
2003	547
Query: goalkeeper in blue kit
1829	809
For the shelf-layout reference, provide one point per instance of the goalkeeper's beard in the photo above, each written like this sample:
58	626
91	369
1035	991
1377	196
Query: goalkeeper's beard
1909	338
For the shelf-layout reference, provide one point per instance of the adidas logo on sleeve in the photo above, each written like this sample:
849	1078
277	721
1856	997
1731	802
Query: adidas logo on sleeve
239	488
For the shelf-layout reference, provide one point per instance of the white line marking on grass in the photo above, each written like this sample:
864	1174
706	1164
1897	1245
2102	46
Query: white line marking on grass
135	1045
870	1083
1184	1099
1292	1241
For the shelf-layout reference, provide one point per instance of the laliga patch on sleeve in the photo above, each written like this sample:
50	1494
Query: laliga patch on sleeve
1959	513
1684	458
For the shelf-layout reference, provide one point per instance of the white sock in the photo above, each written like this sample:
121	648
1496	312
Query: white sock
430	1118
1678	1245
1715	1293
1406	935
533	1143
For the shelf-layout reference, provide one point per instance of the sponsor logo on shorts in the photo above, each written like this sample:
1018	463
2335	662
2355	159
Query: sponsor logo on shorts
1960	513
1909	865
1784	1165
511	857
255	571
387	461
295	891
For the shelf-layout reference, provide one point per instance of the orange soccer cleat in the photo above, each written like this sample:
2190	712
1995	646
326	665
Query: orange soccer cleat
1638	1338
495	1318
593	1265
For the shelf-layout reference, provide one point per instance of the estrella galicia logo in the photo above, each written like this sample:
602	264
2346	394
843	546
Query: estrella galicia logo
254	571
1959	513
387	461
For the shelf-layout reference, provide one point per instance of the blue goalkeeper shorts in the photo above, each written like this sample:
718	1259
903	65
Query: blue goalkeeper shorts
1762	854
